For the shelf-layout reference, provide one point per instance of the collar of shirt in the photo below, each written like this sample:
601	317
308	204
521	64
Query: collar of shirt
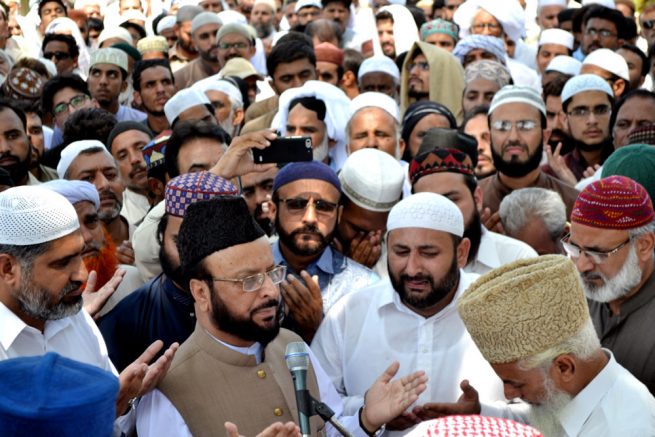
255	349
487	255
175	293
641	298
576	413
327	265
13	326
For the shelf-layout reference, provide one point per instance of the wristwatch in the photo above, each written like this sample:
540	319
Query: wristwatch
375	433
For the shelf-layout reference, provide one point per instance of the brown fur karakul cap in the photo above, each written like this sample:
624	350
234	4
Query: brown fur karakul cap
524	308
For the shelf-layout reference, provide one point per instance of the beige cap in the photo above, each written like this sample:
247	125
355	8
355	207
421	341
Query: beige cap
152	44
240	68
109	56
524	308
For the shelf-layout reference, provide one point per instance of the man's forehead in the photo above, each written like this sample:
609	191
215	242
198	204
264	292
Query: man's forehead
105	67
373	117
85	162
586	97
307	187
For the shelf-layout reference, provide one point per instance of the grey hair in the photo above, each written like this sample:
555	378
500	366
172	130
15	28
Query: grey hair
638	232
25	255
521	206
583	344
396	126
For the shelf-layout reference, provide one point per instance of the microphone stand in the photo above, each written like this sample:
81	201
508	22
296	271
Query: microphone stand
326	413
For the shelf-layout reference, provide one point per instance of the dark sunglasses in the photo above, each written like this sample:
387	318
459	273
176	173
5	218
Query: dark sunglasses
648	24
60	56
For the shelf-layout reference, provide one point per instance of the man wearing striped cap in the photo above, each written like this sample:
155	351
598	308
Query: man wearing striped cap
611	242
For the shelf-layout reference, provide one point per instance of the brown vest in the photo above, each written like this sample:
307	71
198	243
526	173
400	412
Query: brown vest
209	384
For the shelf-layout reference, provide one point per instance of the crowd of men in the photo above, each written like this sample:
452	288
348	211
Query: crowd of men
470	242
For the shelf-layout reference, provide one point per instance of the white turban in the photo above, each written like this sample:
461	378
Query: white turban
182	100
509	14
223	86
73	150
379	64
375	100
428	211
74	191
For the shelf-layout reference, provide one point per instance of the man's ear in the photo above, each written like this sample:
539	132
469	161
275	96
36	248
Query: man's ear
239	115
463	252
137	98
200	292
10	271
562	370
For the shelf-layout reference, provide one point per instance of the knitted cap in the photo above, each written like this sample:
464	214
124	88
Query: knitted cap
642	135
637	162
614	202
305	170
421	109
379	64
585	82
474	425
231	28
326	52
427	211
168	22
181	101
33	215
73	150
565	65
189	188
154	152
152	44
23	84
213	225
373	99
203	19
518	94
439	26
440	161
524	308
610	61
110	55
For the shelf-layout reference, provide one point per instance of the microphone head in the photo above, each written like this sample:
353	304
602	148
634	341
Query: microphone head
297	356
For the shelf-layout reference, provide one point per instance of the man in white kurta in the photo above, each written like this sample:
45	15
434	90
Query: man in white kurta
386	321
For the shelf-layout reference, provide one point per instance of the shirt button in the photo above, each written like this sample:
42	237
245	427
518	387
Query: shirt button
278	412
261	374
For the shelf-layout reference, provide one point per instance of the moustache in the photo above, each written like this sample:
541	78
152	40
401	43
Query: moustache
137	168
70	288
307	229
268	304
416	278
108	194
515	144
590	276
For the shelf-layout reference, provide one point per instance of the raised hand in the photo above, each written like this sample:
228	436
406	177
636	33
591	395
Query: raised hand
558	165
366	248
95	300
237	159
305	303
468	403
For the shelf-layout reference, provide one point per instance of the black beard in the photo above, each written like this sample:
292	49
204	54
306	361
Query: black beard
288	239
264	30
173	273
564	138
19	169
418	95
245	329
514	169
437	293
584	147
474	233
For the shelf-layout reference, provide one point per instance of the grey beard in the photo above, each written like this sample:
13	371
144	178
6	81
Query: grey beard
34	301
544	416
625	280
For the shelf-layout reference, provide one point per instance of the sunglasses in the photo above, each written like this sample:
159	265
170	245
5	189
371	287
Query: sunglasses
60	56
648	24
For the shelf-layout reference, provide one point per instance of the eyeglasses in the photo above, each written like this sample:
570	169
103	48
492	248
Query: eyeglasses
254	282
604	33
482	26
234	45
648	24
584	111
423	65
596	256
506	125
60	56
74	103
298	205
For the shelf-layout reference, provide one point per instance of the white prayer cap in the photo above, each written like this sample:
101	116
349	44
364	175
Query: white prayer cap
72	151
565	64
398	2
131	14
270	3
509	14
428	211
336	105
608	61
543	3
607	3
74	191
204	18
585	82
230	16
223	86
556	36
182	100
518	94
115	32
33	215
168	22
375	100
372	179
379	64
307	3
109	55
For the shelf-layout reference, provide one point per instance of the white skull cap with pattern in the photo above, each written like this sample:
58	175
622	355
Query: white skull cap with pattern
565	65
375	100
428	211
379	64
110	55
182	100
556	36
518	94
585	82
223	86
204	18
72	151
168	22
114	32
372	179
608	61
33	215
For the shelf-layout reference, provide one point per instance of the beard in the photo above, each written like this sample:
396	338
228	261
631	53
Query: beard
289	239
264	222
474	233
104	263
515	168
227	125
35	302
559	136
584	147
18	169
320	152
264	30
186	45
615	288
107	214
437	291
418	95
208	56
244	328
544	416
170	270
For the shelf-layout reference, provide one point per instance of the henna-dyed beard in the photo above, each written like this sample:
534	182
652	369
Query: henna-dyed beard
105	263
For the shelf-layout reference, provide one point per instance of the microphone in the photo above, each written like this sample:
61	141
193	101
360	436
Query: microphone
297	359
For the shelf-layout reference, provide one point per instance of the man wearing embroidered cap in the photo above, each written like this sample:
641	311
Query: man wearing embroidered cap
204	27
411	315
153	47
587	106
531	322
41	294
379	74
517	117
107	79
306	196
441	33
611	242
450	172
